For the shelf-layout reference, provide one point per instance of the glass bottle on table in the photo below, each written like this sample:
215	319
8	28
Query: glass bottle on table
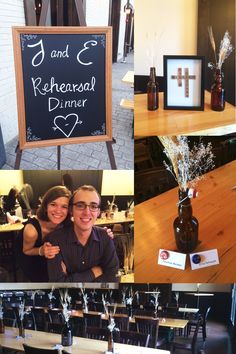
152	91
218	92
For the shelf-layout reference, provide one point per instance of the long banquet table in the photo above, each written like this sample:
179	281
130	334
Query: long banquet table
215	209
177	122
80	345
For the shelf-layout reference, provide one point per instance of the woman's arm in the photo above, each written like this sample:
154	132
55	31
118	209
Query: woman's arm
30	236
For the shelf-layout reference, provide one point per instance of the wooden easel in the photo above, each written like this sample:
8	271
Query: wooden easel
42	22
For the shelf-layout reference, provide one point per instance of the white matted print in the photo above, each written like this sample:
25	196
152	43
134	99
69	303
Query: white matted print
184	82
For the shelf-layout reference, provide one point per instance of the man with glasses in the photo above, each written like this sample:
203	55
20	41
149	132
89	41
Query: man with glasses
87	253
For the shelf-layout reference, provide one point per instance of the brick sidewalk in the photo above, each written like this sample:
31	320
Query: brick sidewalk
90	156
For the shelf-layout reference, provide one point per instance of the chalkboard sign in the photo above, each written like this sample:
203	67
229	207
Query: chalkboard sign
63	79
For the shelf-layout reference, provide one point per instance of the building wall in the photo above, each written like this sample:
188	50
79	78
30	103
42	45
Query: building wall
163	28
98	17
11	14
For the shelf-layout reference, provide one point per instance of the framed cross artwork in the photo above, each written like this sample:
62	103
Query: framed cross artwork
184	82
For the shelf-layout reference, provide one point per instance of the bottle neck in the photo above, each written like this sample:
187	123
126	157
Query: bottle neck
153	74
185	207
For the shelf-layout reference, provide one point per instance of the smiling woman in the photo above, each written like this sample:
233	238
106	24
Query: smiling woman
32	246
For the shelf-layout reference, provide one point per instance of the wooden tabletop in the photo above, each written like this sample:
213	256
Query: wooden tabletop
177	122
215	209
188	310
80	345
11	227
119	218
129	77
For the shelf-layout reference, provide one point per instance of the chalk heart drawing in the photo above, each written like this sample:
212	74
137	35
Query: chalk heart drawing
66	124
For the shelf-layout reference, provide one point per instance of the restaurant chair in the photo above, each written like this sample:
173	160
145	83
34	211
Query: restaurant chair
121	321
150	326
92	320
189	344
9	317
202	326
119	310
56	316
29	322
33	350
97	333
39	319
99	307
152	182
134	338
8	254
124	248
229	149
55	327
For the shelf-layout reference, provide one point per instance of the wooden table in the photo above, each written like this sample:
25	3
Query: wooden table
119	218
11	227
215	209
188	310
129	77
177	122
80	345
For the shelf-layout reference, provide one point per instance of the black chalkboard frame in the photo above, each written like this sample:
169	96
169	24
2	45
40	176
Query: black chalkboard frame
17	31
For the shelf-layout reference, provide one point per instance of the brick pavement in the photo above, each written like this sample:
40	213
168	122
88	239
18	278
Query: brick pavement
90	156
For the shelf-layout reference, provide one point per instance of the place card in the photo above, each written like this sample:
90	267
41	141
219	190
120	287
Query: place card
171	259
204	259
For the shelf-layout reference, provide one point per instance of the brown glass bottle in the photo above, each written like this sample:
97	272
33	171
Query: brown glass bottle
110	347
218	92
2	327
185	226
152	91
21	330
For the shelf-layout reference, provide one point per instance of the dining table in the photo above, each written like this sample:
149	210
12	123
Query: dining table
182	122
38	339
215	210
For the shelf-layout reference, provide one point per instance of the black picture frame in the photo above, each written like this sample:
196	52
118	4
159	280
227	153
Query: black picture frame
187	94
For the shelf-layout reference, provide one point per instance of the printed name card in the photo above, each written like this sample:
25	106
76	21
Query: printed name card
172	259
204	259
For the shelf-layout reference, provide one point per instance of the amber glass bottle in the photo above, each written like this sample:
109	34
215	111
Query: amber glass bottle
152	91
110	347
218	92
185	225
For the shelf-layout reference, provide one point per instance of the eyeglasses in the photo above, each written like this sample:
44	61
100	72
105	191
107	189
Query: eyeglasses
83	205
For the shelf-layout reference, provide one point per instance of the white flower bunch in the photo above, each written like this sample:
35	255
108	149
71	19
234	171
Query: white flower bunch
187	166
226	49
65	302
112	326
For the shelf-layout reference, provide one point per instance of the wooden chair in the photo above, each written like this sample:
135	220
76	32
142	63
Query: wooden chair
229	149
92	320
33	350
39	319
201	321
8	254
9	317
56	316
186	343
124	244
134	338
55	327
97	333
152	182
122	321
150	326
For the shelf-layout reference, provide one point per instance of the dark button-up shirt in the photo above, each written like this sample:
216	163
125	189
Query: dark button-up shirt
79	259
